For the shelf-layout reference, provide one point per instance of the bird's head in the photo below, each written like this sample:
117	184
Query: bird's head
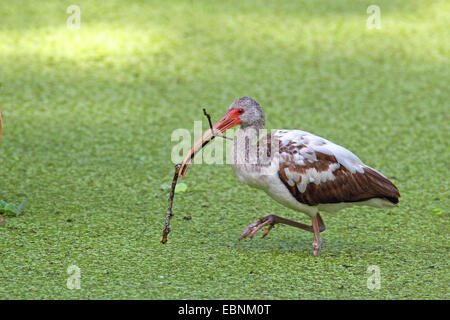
243	111
248	111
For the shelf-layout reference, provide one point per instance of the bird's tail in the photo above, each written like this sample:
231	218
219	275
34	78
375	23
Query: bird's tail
382	186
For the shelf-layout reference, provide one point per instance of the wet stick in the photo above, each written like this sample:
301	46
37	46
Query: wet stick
175	178
169	213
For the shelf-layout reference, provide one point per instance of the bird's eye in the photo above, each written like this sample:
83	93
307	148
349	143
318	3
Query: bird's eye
240	111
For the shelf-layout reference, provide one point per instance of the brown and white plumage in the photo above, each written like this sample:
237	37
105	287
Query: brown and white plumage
320	173
298	169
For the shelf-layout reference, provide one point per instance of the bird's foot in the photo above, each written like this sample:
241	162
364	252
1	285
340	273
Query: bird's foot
257	225
317	246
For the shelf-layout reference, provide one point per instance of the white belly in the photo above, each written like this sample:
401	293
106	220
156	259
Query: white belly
267	179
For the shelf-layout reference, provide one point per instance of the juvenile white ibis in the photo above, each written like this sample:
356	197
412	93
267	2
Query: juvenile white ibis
300	170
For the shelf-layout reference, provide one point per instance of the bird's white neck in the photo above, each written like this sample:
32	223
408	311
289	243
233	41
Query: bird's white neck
250	156
245	147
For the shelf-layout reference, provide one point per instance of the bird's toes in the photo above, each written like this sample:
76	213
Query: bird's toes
317	246
251	230
266	232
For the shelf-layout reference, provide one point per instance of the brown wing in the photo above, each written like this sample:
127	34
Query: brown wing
325	180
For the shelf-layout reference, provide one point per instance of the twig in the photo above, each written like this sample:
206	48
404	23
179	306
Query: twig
169	213
211	127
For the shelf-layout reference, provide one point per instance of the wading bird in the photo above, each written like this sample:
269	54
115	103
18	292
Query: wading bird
300	170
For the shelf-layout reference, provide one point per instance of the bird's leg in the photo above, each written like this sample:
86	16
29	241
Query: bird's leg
272	220
317	244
